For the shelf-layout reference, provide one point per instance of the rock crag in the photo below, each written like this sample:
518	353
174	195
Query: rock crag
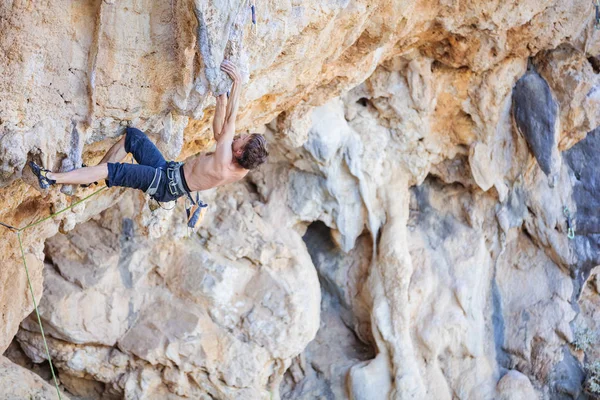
407	239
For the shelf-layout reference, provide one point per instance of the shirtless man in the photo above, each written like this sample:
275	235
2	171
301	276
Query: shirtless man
167	181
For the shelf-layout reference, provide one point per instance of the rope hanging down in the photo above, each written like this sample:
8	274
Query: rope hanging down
37	313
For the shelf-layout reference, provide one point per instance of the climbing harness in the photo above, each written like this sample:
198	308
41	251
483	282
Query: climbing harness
194	209
158	205
570	229
18	231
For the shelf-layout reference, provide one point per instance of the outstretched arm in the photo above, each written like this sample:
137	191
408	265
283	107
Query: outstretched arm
236	88
223	152
219	117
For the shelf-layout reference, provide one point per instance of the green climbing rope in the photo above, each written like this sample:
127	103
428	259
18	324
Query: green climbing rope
37	313
63	210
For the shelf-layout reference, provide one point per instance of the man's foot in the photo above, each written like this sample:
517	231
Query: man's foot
42	175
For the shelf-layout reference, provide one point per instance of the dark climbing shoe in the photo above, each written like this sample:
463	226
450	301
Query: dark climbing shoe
41	174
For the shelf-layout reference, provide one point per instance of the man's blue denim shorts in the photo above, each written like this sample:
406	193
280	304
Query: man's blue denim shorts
151	168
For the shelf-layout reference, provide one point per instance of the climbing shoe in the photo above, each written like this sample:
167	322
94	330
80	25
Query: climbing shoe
41	174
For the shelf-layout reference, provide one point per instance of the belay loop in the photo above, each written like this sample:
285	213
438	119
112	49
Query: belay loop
570	230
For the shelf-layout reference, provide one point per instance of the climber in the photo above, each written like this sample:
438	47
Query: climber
166	181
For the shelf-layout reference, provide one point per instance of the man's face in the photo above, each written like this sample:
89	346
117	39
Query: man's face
238	144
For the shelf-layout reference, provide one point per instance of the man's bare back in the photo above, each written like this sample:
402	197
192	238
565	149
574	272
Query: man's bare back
203	172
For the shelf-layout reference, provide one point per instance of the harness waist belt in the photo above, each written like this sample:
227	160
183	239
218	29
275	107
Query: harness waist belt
177	183
183	181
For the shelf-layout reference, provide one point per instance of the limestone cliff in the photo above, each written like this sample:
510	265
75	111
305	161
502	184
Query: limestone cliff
406	240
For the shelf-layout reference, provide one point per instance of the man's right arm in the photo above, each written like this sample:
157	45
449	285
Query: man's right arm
236	88
223	152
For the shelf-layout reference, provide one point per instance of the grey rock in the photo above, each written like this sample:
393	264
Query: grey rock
568	377
583	160
536	116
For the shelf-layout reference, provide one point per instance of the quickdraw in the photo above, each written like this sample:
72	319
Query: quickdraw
12	228
570	229
253	9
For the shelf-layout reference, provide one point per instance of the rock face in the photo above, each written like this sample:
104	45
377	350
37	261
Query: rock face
19	383
228	320
403	241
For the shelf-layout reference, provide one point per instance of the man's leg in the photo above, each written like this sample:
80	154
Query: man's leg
143	150
127	175
81	175
86	175
116	153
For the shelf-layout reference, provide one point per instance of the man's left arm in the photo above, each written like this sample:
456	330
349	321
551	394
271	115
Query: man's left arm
223	152
219	117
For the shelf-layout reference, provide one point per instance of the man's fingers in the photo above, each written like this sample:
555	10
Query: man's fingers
227	65
231	70
233	75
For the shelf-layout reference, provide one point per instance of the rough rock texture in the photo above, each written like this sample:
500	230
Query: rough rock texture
581	159
20	383
435	258
344	338
228	320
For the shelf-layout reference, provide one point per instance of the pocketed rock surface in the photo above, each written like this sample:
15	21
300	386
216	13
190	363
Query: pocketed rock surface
407	238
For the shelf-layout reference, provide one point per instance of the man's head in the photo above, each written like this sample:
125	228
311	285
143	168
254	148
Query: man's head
250	150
